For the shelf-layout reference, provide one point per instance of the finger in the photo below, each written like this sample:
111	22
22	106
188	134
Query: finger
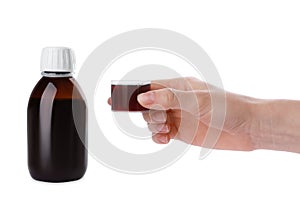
109	100
164	97
164	138
190	101
155	116
161	138
159	128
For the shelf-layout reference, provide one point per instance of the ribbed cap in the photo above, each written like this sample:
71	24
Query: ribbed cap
57	59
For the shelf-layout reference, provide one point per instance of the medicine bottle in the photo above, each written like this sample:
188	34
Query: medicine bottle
57	121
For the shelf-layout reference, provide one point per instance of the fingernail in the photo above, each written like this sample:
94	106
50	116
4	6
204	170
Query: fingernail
146	98
158	116
162	139
164	129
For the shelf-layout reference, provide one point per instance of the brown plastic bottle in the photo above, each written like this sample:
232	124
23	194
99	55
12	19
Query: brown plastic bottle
57	121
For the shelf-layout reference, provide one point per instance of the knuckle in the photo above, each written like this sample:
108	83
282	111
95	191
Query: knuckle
155	128
154	138
170	97
195	83
157	116
146	117
191	79
151	128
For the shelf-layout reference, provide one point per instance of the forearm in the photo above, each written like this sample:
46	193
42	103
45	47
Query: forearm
276	125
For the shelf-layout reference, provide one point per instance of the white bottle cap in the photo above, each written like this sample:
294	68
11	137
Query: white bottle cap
57	59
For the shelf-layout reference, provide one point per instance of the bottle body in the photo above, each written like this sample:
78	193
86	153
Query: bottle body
56	130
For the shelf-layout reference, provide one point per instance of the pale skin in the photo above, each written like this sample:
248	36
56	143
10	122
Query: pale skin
250	123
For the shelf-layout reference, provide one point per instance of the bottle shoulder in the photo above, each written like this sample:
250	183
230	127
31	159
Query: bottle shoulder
59	87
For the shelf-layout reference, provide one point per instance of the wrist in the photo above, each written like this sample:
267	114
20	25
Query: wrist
275	125
261	124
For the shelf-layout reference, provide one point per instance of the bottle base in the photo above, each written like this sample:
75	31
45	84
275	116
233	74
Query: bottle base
56	176
47	180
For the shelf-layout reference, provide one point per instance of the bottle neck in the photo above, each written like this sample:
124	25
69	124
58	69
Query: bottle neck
57	74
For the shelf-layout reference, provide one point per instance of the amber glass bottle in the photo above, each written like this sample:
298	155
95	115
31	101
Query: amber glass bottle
57	121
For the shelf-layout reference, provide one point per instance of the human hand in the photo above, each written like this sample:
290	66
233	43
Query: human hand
179	117
249	124
173	114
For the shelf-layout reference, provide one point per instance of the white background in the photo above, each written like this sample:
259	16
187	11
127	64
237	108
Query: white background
254	44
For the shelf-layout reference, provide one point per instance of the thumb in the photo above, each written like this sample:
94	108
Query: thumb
164	97
169	98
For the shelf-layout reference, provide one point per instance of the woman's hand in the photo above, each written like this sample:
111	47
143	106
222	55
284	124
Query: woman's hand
174	114
181	109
